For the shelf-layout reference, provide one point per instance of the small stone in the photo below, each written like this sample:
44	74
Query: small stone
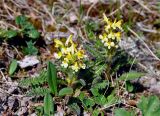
28	61
155	88
153	81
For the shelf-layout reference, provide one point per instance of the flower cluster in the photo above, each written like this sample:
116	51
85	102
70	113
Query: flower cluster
70	53
112	34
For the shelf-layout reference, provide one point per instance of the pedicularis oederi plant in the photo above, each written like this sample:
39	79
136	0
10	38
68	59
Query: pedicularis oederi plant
110	37
71	56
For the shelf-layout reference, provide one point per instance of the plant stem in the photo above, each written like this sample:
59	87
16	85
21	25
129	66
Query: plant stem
108	69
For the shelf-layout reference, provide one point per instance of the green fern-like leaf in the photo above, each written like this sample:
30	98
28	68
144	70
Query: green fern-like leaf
93	51
98	86
131	75
101	85
99	69
38	91
121	59
34	81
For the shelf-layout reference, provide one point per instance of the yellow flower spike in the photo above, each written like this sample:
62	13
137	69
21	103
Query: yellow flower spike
58	43
117	24
71	54
112	32
72	47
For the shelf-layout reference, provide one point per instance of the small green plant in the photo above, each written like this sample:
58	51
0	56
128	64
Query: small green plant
149	106
127	77
30	49
90	28
36	83
38	88
65	91
26	30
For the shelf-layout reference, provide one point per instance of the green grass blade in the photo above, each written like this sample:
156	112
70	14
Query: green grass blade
52	77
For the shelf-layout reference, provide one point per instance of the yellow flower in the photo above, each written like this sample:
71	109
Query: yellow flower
64	50
64	64
58	43
80	54
69	40
106	19
103	37
118	36
119	24
100	37
58	55
69	56
109	44
75	67
83	66
111	35
66	59
107	27
73	49
71	46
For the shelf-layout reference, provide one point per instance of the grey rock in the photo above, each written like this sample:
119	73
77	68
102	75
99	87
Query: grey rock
28	61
